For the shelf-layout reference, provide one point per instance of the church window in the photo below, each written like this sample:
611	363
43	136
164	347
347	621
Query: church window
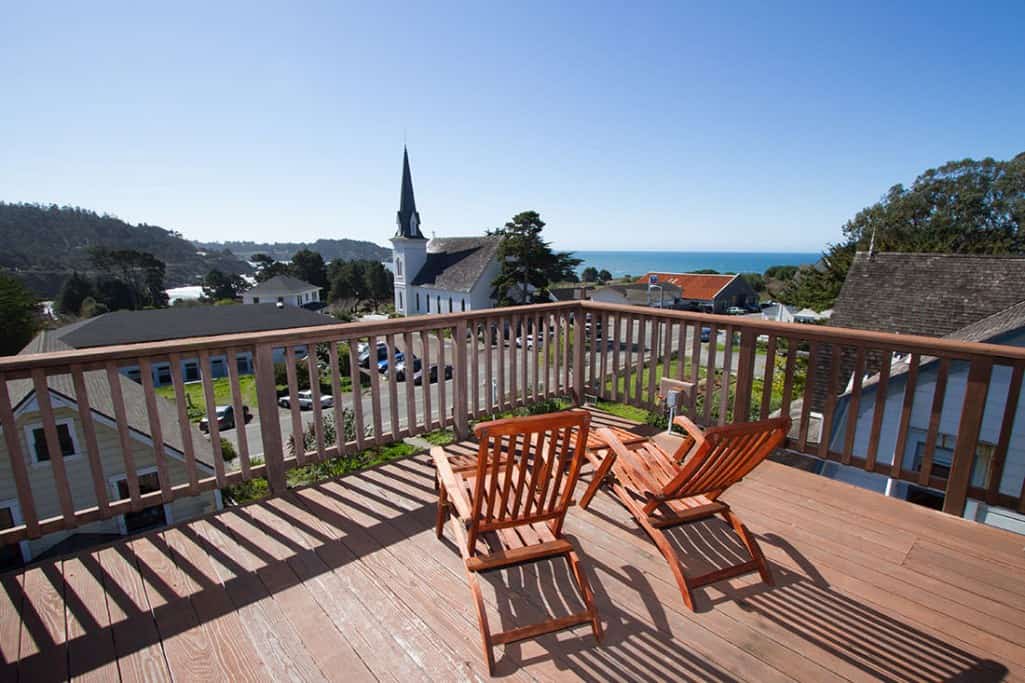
401	307
418	302
462	302
428	303
450	304
398	266
437	300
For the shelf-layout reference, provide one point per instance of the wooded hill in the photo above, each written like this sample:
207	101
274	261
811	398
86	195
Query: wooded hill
43	245
341	249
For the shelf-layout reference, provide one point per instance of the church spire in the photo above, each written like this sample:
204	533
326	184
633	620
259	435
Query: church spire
408	217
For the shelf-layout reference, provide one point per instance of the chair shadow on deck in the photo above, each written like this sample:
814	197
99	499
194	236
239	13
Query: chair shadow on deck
343	521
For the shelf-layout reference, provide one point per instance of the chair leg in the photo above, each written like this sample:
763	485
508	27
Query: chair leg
482	618
666	548
586	592
751	544
439	523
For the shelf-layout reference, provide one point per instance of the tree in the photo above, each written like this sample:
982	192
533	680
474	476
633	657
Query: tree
309	266
604	275
19	315
218	285
528	264
379	282
756	281
140	273
267	267
73	292
962	207
589	274
348	282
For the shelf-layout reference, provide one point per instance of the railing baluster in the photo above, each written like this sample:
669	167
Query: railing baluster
443	417
745	377
910	380
809	391
270	429
788	377
356	380
53	448
525	366
184	425
642	347
681	351
579	349
336	392
967	435
603	361
239	410
19	468
879	409
628	390
830	408
206	374
474	368
393	389
156	430
727	376
503	329
92	447
375	390
411	419
614	337
124	439
564	340
537	386
695	369
667	349
853	406
653	359
938	397
767	377
996	472
313	370
298	438
713	352
519	340
592	361
459	363
490	332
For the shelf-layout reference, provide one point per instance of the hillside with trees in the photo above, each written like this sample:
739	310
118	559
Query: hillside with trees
329	249
962	207
44	245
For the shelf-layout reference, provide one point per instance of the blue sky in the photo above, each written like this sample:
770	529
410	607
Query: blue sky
747	127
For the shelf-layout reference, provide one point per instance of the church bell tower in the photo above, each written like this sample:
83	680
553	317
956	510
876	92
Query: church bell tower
409	246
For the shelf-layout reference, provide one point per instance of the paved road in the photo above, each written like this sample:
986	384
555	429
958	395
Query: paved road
285	418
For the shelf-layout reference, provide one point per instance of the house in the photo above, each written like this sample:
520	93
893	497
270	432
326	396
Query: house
1003	327
662	296
72	437
712	293
780	313
135	327
440	275
575	293
283	289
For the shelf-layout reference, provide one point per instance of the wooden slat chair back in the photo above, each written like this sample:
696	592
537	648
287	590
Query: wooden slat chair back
527	469
510	506
663	491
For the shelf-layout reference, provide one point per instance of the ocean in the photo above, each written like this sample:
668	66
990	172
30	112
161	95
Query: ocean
637	263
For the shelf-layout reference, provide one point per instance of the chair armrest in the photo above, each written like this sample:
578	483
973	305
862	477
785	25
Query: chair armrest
693	437
452	482
627	459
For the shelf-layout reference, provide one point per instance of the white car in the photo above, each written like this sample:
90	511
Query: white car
305	400
531	341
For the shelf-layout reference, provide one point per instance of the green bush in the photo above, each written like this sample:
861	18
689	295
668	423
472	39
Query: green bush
228	450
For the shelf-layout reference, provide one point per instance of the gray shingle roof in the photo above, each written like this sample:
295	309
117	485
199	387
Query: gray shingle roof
282	283
927	294
456	263
131	327
100	399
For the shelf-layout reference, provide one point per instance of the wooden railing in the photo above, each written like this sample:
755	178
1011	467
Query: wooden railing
500	359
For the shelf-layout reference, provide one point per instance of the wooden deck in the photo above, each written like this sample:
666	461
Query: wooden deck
346	581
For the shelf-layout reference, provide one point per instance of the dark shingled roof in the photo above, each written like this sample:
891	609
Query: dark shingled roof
132	327
927	294
456	263
637	294
282	283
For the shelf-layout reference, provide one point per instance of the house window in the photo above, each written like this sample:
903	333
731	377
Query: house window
191	371
256	299
163	375
36	435
147	518
133	374
218	368
281	299
10	554
242	363
418	302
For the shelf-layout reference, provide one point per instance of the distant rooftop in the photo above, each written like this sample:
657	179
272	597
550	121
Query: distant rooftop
456	263
282	283
698	286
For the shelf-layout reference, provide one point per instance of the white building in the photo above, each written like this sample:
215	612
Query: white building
282	289
441	275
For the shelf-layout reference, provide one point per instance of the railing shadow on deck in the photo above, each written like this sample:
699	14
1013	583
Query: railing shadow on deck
395	504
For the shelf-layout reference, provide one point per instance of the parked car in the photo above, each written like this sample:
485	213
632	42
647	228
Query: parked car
364	353
736	310
382	363
531	340
305	400
400	368
225	418
418	375
706	334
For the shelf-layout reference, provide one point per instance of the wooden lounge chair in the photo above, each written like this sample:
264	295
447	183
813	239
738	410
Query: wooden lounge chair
663	491
509	508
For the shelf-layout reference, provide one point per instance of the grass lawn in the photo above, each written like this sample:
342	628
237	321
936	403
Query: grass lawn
196	403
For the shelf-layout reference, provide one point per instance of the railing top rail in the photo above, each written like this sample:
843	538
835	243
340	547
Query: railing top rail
931	346
14	367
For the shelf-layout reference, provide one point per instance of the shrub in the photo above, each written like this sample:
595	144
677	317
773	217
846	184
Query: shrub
228	450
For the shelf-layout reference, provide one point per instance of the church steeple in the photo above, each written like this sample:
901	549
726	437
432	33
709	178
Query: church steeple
408	217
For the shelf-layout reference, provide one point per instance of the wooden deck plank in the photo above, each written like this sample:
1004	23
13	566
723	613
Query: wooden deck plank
10	624
43	641
91	655
136	640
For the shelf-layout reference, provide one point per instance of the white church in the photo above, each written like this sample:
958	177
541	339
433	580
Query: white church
440	275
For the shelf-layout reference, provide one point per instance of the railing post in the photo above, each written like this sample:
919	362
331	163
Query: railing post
745	376
967	436
459	407
270	425
579	322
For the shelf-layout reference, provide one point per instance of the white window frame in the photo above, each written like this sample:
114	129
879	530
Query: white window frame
30	441
116	495
15	507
